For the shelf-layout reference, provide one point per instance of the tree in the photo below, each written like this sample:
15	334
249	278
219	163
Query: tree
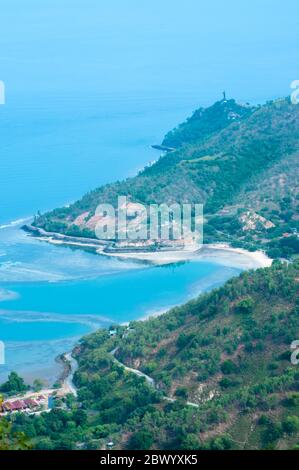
37	385
272	433
44	444
12	440
182	392
245	306
14	384
221	443
290	425
66	443
190	442
141	440
228	367
292	400
80	417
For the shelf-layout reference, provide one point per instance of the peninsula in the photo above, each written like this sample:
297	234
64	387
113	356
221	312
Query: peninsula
239	161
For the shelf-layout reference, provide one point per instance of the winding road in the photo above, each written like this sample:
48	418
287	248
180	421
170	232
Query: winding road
68	384
148	379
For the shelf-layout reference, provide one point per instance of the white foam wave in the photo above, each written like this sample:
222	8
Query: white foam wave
14	223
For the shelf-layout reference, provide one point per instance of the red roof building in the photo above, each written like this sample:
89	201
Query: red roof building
18	405
30	403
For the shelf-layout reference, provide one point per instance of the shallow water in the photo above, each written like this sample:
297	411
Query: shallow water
53	295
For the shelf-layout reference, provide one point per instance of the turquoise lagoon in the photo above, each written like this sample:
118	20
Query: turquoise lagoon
54	295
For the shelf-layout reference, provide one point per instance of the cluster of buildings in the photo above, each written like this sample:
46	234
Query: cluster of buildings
26	404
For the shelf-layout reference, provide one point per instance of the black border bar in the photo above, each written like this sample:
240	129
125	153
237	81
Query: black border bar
145	459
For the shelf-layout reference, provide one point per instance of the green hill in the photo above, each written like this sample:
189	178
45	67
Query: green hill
204	122
222	370
240	162
228	351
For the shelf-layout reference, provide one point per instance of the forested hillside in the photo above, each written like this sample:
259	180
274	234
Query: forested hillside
204	122
240	162
222	372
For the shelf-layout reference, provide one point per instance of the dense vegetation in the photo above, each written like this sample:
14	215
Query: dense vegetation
204	122
14	384
240	162
228	352
11	440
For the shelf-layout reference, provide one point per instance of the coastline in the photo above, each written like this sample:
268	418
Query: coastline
223	253
220	253
64	385
69	366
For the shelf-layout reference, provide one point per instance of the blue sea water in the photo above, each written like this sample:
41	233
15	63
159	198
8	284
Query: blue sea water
118	297
39	330
89	87
51	295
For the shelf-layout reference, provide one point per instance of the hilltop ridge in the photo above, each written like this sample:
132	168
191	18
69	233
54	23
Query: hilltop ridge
206	121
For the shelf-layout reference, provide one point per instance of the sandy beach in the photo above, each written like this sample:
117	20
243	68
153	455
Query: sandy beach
222	253
219	252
